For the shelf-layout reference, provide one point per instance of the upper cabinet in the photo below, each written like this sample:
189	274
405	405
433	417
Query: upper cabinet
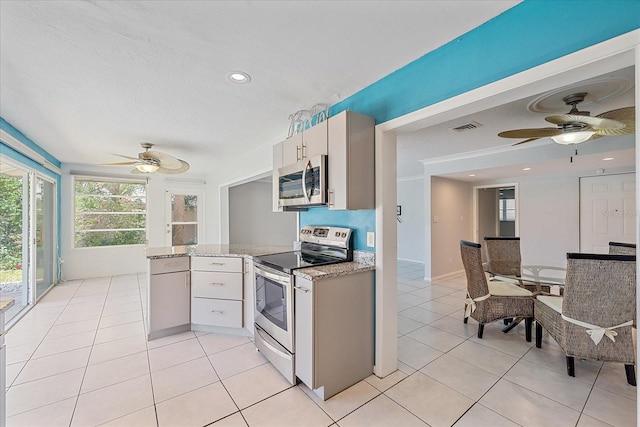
302	146
348	140
351	161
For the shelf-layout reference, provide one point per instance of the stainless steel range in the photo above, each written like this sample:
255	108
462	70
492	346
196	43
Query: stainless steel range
274	285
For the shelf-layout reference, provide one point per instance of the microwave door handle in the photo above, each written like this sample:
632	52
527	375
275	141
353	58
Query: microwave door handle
307	196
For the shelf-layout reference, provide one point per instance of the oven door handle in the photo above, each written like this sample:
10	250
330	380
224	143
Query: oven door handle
266	341
275	277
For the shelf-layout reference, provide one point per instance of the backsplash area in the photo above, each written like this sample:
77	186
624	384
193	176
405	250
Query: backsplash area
360	221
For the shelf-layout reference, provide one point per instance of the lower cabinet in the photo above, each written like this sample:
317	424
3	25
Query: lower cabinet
169	297
216	292
334	331
216	312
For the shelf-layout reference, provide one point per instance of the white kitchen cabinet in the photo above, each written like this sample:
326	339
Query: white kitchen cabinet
216	292
334	331
351	162
169	297
305	145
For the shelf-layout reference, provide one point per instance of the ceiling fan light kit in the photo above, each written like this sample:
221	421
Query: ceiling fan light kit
153	161
147	168
573	136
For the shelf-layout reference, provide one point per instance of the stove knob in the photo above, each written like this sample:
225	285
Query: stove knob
337	234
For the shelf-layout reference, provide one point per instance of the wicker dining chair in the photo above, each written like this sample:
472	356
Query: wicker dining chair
503	255
490	301
618	248
594	318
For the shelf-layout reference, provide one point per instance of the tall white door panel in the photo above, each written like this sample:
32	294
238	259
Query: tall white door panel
607	211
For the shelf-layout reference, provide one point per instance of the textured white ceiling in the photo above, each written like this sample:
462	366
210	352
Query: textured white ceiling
86	79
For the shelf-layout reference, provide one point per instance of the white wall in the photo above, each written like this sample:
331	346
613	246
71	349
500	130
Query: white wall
252	220
451	221
548	210
411	235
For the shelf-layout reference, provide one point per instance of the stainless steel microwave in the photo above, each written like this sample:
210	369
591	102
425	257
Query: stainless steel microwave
303	184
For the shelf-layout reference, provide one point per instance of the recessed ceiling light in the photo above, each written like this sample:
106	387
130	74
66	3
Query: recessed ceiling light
526	169
239	77
608	158
472	174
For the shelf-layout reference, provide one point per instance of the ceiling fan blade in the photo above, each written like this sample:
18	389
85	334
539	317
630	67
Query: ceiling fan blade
119	163
125	157
593	122
166	161
184	166
530	133
626	116
522	142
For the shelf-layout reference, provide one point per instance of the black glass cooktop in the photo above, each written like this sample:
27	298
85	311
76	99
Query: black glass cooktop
289	261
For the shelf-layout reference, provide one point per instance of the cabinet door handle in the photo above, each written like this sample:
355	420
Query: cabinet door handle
303	154
305	290
331	197
217	263
298	156
216	284
217	311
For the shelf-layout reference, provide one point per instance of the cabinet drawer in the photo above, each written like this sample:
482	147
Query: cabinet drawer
230	264
216	312
214	284
168	265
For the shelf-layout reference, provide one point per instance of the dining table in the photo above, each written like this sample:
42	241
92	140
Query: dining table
544	279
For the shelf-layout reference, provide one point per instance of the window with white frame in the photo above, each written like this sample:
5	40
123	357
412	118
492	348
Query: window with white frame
109	212
507	205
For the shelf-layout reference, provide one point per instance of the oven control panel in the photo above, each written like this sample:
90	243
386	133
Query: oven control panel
325	235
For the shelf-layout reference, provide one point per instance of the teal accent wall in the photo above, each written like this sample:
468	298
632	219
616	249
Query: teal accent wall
9	152
360	221
525	36
530	34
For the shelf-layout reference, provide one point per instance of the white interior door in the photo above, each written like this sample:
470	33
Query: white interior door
607	211
184	217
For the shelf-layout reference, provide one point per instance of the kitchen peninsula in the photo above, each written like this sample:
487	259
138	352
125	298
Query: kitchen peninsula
213	284
210	288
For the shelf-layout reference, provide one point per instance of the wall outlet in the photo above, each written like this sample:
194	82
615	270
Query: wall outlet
371	239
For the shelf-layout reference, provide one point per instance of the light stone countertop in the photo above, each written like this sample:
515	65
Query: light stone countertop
215	250
5	304
364	261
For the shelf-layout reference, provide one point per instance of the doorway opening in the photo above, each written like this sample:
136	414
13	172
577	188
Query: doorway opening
495	211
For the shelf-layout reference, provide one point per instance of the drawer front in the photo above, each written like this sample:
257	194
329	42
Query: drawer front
205	263
168	265
214	284
216	312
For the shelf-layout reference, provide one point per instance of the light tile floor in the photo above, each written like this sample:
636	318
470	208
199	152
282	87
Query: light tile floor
80	358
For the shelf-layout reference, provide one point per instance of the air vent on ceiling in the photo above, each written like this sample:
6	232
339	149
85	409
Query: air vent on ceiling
466	127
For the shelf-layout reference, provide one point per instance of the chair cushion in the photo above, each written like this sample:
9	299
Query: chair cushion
555	303
505	279
504	289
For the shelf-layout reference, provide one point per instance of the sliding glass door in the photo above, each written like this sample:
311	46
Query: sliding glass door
43	241
27	235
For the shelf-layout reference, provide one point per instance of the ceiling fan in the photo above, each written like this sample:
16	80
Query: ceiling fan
578	126
152	161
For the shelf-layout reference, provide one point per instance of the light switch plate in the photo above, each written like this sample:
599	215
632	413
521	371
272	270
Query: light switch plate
371	239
